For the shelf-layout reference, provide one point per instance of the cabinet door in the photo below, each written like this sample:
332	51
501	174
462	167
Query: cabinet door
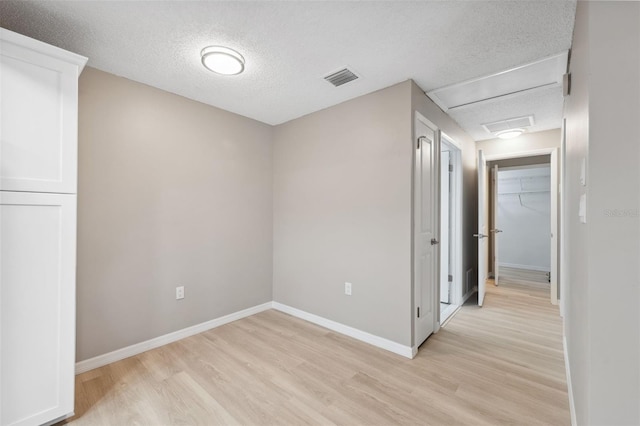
38	113
37	307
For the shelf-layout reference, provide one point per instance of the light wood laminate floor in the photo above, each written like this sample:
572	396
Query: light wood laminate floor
526	276
500	364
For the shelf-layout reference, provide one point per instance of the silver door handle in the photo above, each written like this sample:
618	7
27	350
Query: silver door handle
434	242
480	236
496	230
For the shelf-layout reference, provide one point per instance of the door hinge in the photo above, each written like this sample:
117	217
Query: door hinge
418	143
418	311
450	278
450	167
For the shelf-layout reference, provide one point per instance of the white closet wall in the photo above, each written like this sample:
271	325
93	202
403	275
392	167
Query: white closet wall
524	215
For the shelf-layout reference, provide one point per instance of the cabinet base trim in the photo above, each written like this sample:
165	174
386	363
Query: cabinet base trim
59	419
138	348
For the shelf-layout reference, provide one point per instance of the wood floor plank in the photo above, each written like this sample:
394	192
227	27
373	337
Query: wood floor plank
499	364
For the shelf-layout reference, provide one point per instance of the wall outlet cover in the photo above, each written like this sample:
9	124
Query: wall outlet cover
347	289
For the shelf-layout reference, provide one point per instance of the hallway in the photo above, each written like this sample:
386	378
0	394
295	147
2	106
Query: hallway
498	364
509	352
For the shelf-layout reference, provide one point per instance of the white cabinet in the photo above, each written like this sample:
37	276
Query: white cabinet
38	306
38	180
39	110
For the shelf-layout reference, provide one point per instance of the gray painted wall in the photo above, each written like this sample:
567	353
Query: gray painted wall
523	161
342	212
171	192
602	311
527	142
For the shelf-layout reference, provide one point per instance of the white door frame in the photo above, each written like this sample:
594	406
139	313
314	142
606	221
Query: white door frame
564	276
483	225
493	219
456	221
555	173
445	214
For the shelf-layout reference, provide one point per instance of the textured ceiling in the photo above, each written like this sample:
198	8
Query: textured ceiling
290	46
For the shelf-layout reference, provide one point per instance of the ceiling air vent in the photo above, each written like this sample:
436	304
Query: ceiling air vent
512	123
341	77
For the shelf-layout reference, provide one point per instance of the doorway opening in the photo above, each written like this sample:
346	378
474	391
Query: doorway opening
450	277
521	202
437	229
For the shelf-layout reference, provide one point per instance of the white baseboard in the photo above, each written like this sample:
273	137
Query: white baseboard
380	342
468	295
414	351
572	407
527	267
138	348
452	314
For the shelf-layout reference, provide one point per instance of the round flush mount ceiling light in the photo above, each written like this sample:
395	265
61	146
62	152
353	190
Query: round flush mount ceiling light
510	134
222	60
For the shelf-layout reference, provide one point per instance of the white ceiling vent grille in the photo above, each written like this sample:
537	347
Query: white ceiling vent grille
341	77
512	123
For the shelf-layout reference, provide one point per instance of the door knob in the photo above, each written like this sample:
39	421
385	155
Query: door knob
434	241
480	236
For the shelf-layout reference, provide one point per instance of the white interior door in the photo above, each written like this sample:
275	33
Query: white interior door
426	224
445	290
496	230
482	227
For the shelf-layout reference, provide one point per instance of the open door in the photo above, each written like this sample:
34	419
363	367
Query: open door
426	225
483	261
495	231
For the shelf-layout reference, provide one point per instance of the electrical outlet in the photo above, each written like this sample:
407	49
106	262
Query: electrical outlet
347	289
179	292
